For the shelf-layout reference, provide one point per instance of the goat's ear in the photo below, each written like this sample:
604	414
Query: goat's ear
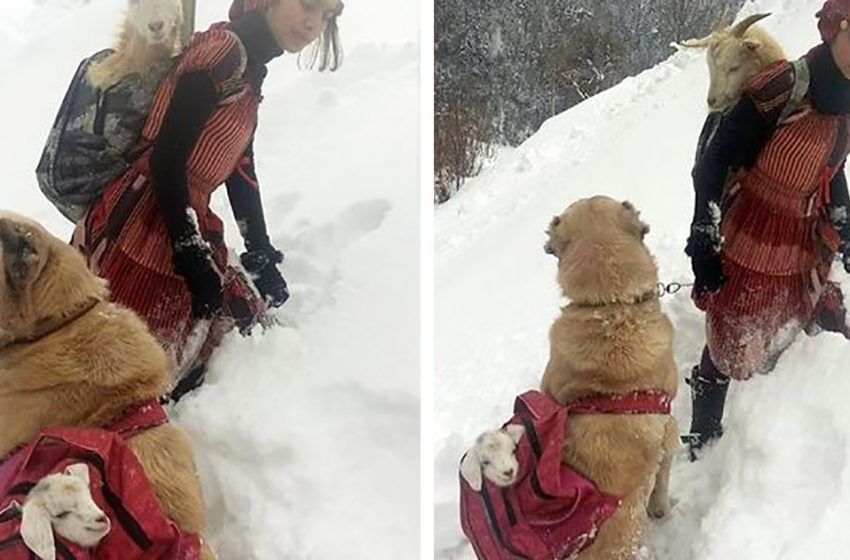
752	44
470	470
515	431
79	470
697	43
36	531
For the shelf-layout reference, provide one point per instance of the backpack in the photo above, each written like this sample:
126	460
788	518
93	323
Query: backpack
551	511
802	81
94	137
119	487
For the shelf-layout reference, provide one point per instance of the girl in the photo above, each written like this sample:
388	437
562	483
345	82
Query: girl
153	236
761	248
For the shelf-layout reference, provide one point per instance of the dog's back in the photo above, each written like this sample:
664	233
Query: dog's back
70	358
616	350
612	339
84	374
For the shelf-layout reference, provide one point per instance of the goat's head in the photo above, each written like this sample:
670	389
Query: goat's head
157	21
735	54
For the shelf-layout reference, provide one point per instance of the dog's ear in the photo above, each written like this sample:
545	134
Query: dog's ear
554	244
470	469
20	254
632	222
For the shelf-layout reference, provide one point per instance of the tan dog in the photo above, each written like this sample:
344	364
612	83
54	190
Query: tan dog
612	339
70	358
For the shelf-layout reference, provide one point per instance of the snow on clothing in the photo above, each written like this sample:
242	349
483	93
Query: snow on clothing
778	240
198	135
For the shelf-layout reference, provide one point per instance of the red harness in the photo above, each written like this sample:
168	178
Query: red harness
551	511
138	419
119	486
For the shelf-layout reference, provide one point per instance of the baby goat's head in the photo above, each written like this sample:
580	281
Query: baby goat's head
62	502
493	457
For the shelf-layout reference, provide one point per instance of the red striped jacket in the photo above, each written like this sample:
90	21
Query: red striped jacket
778	224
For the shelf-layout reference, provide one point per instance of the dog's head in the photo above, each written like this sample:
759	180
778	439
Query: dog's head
601	255
44	279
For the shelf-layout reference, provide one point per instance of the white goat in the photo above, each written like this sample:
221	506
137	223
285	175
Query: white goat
62	502
150	33
736	53
493	456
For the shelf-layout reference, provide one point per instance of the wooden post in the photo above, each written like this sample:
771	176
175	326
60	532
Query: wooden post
188	21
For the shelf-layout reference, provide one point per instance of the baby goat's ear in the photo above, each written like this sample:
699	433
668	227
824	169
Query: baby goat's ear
36	531
515	431
79	470
470	469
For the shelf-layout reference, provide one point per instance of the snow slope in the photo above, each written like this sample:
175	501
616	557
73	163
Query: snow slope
306	436
777	486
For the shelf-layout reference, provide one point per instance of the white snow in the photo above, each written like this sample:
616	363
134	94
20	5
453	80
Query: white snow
306	436
777	486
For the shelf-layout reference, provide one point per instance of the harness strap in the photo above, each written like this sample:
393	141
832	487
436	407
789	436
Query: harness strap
138	418
244	162
131	422
802	79
637	402
539	405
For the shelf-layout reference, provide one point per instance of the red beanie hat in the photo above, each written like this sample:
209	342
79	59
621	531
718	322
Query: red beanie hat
832	18
241	7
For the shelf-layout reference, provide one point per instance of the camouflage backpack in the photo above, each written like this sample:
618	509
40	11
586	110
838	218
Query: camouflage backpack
94	137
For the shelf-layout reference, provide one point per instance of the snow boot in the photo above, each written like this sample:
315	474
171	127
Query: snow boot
829	314
708	395
192	381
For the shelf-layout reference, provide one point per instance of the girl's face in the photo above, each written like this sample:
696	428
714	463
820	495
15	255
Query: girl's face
297	23
841	52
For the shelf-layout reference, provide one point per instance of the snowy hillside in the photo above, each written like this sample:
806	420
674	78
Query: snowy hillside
778	484
306	436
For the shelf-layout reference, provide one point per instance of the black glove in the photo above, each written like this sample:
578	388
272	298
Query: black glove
708	274
262	266
194	263
704	249
844	252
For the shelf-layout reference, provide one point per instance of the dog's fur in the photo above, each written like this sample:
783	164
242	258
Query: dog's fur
92	364
612	338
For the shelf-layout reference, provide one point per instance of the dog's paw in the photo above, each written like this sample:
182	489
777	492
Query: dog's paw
660	508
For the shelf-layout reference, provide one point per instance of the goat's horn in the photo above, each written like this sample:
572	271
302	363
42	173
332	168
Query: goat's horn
741	27
721	21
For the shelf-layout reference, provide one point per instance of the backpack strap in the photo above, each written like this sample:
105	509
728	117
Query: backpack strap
536	405
637	402
138	418
802	80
